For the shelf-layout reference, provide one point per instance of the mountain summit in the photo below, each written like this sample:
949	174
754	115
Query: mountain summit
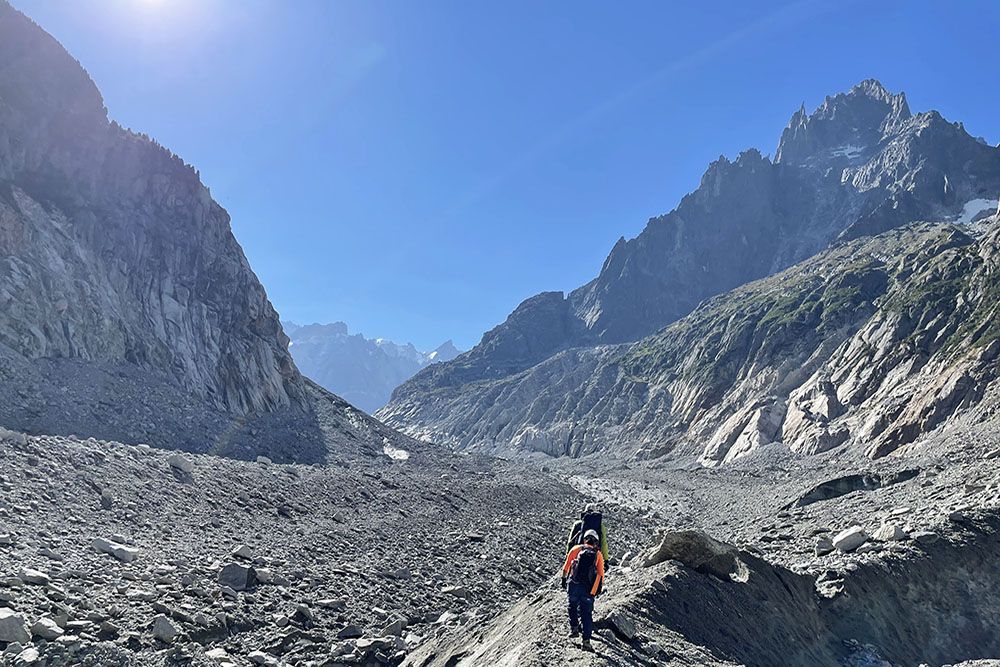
846	128
860	165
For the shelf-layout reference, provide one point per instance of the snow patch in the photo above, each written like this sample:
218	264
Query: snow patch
847	150
394	453
974	208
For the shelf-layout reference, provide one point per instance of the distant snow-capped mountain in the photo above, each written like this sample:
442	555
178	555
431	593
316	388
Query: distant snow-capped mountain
364	371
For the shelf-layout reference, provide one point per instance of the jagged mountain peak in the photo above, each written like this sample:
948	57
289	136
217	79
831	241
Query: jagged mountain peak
860	165
446	351
846	128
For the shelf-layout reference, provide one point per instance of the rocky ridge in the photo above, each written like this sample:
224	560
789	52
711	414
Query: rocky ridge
743	572
870	345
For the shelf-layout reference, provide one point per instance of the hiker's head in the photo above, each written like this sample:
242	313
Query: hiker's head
591	508
592	538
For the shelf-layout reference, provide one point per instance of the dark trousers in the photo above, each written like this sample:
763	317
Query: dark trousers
581	609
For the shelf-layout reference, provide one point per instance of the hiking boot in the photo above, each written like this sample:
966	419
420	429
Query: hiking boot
574	632
586	645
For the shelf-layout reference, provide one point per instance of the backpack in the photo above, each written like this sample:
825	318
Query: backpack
591	521
583	569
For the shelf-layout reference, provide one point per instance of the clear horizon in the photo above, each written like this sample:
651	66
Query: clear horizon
418	171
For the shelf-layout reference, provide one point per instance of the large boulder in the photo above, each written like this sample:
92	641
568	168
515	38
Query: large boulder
850	539
699	552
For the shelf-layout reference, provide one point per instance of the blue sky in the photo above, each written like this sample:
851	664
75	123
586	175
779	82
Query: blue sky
417	169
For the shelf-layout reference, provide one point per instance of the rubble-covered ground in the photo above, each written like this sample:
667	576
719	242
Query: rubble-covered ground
824	561
355	562
114	554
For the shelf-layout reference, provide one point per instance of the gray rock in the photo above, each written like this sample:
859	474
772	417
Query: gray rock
164	629
261	658
889	532
243	551
824	546
119	551
621	625
238	577
12	627
394	629
29	656
32	576
334	604
180	462
699	552
350	632
46	628
850	539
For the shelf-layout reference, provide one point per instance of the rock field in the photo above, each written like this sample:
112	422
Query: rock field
113	554
913	582
125	555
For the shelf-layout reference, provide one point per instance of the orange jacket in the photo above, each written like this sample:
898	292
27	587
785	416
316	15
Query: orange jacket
600	566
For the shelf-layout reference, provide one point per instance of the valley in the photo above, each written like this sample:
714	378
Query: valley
782	395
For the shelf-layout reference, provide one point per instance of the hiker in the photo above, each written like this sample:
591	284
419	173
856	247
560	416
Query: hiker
591	519
584	572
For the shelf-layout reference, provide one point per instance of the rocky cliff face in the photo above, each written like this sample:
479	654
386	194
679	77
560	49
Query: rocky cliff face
860	165
363	371
118	268
870	345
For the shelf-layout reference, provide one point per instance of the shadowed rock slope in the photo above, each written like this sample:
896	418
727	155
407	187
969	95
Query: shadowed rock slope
127	308
903	609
